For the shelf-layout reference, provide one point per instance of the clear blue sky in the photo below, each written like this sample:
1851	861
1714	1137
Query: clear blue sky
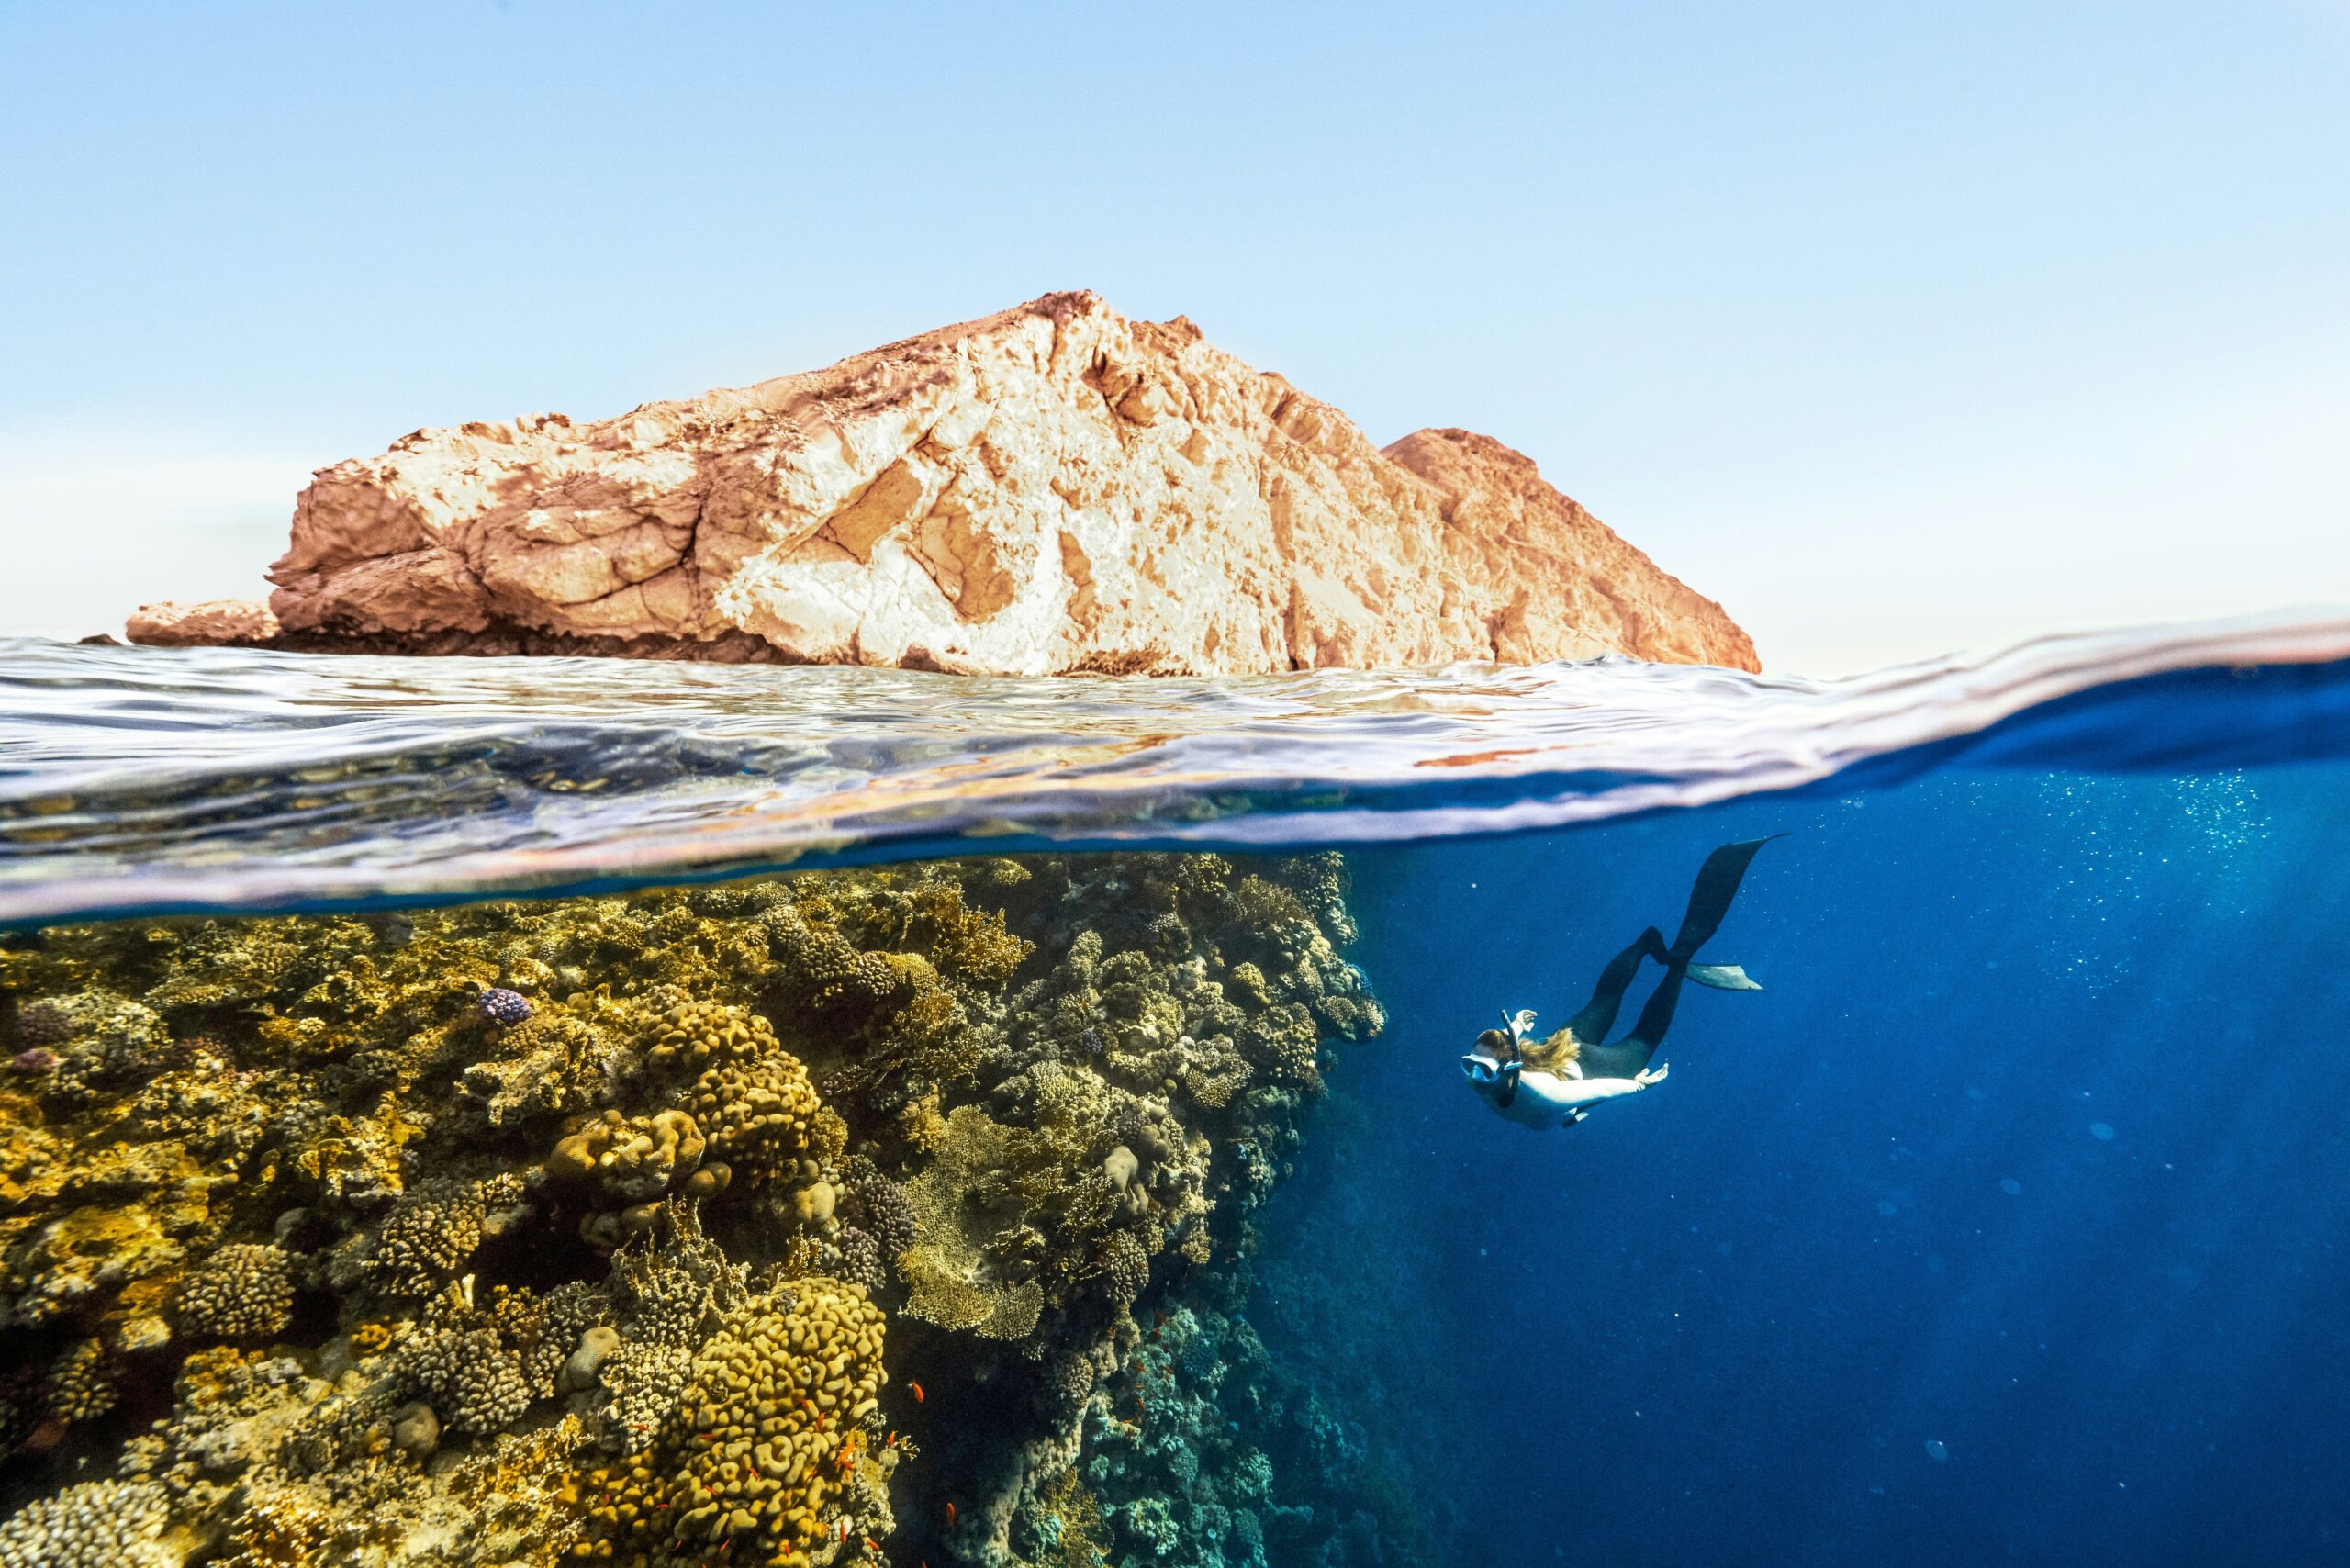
1895	327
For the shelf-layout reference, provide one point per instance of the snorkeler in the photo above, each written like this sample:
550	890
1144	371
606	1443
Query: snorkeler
1547	1084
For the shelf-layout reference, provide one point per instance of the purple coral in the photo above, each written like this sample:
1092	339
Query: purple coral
42	1023
188	1050
38	1060
500	1005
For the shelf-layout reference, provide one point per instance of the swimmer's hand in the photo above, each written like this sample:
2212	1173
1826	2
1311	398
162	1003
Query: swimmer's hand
1648	1075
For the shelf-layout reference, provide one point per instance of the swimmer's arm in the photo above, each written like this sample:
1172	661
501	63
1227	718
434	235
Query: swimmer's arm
1585	1091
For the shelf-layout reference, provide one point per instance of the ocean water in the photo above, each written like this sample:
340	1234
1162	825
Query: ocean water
1072	1071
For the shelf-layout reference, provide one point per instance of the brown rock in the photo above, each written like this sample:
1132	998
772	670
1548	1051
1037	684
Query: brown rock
211	623
1052	488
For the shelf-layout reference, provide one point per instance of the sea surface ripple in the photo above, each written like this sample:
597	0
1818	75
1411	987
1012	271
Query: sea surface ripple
145	780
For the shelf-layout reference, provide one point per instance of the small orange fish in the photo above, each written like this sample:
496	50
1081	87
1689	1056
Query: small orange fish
950	1514
916	1389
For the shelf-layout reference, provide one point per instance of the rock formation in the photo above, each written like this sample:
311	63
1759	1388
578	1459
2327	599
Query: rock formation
207	623
1052	488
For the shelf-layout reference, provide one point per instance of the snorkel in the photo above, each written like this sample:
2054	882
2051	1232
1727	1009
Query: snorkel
1491	1068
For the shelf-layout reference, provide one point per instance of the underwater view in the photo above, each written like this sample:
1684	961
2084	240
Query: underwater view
509	1112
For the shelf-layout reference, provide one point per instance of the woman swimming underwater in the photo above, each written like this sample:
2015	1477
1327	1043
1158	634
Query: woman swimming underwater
1547	1084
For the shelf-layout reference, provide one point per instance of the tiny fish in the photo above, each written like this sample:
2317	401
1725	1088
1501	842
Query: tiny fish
916	1389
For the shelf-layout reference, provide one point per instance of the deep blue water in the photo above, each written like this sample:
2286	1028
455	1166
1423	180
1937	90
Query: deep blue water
2007	1225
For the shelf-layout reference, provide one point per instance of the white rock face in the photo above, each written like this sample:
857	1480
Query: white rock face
1048	489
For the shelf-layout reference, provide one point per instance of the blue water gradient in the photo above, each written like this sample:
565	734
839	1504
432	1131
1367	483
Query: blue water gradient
2011	1224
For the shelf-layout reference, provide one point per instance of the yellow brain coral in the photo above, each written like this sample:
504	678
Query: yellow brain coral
764	1450
752	1101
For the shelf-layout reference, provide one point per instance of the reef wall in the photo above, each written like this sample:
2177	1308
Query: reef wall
899	1216
1051	488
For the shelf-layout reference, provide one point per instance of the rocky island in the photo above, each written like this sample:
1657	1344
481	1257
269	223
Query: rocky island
1050	489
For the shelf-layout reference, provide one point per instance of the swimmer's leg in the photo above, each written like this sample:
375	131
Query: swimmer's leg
1631	1054
1598	1015
1709	901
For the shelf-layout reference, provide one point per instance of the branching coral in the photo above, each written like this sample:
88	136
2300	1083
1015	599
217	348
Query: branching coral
425	1241
1063	1525
1125	1267
94	1524
880	1206
961	1208
475	1383
243	1291
858	1259
84	1385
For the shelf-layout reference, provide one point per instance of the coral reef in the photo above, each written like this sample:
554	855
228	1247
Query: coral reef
782	1452
243	1291
427	1238
576	1229
96	1524
500	1005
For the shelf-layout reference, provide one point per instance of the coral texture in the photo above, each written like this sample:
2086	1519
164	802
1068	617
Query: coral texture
1050	489
96	1524
243	1291
612	1277
782	1406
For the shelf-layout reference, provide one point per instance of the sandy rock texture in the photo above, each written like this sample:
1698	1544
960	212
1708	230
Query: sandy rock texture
207	623
1052	488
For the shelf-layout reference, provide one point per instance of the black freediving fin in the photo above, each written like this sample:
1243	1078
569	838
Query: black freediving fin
1709	899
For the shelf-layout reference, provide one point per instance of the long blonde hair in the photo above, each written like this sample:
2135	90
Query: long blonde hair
1552	1054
